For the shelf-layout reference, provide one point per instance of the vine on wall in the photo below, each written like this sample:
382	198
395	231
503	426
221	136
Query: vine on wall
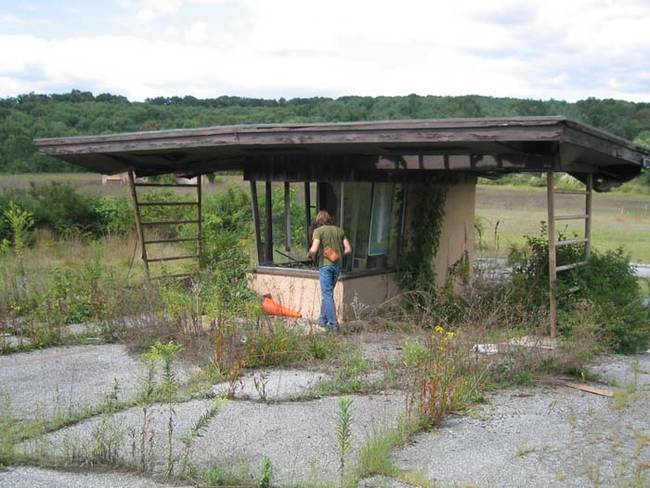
417	271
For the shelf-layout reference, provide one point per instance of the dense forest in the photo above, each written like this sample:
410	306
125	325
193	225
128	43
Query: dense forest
30	116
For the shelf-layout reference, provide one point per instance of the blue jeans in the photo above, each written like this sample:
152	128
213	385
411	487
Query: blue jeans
328	277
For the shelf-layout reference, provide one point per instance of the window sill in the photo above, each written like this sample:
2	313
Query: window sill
313	273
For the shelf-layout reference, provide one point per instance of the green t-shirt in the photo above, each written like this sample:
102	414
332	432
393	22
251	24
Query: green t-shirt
329	236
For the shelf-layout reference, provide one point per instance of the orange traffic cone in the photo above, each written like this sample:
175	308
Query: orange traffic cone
272	307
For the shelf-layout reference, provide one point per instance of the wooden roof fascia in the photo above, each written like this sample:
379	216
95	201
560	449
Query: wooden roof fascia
407	124
409	132
595	141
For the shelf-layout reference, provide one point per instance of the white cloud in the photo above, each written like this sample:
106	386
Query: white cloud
197	32
290	47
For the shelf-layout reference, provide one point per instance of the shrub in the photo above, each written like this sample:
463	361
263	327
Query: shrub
228	211
115	214
61	208
20	224
607	286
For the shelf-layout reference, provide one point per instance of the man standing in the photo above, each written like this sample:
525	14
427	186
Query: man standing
333	244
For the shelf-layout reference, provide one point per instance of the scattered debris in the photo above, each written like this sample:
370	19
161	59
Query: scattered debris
531	342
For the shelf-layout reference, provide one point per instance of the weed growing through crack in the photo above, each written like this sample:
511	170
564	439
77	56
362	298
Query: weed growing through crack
166	353
112	398
266	476
238	475
343	432
624	397
196	432
105	441
145	399
442	374
260	381
375	454
524	451
7	427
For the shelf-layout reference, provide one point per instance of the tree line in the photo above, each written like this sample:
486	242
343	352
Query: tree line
29	116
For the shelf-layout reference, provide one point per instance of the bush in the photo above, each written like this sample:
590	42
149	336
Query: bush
62	209
228	211
608	287
115	214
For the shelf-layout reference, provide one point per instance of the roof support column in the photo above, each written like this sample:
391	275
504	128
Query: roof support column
287	216
552	269
268	228
308	211
256	222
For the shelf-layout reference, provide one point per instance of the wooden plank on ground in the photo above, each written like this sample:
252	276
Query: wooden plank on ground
596	390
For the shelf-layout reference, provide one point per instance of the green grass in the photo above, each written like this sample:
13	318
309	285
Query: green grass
375	456
619	219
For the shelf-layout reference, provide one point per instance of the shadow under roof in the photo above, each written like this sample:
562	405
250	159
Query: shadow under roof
534	143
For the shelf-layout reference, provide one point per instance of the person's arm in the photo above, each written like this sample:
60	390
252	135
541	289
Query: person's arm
347	248
315	244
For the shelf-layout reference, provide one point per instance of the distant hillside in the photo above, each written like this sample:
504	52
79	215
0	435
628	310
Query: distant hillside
25	117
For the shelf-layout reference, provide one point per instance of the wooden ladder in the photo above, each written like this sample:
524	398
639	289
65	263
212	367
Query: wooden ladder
553	243
141	225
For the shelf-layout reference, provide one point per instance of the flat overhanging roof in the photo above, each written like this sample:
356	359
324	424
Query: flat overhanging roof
491	146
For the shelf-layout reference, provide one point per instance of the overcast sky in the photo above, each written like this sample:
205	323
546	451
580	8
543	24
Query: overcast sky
570	49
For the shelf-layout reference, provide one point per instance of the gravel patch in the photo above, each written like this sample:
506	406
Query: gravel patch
379	347
538	437
273	385
41	383
26	477
625	370
297	437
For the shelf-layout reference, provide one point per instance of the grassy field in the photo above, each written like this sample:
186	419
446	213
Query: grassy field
92	183
620	219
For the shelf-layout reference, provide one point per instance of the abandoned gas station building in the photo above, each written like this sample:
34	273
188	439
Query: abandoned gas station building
372	177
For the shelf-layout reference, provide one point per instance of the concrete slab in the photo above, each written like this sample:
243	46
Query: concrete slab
11	341
297	437
41	383
537	437
27	477
271	385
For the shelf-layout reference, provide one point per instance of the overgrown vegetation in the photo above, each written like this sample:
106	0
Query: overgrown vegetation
214	320
606	292
417	270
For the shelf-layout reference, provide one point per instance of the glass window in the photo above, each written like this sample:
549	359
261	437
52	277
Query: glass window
380	219
371	217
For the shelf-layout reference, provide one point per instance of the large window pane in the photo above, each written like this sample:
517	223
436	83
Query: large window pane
356	221
380	221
